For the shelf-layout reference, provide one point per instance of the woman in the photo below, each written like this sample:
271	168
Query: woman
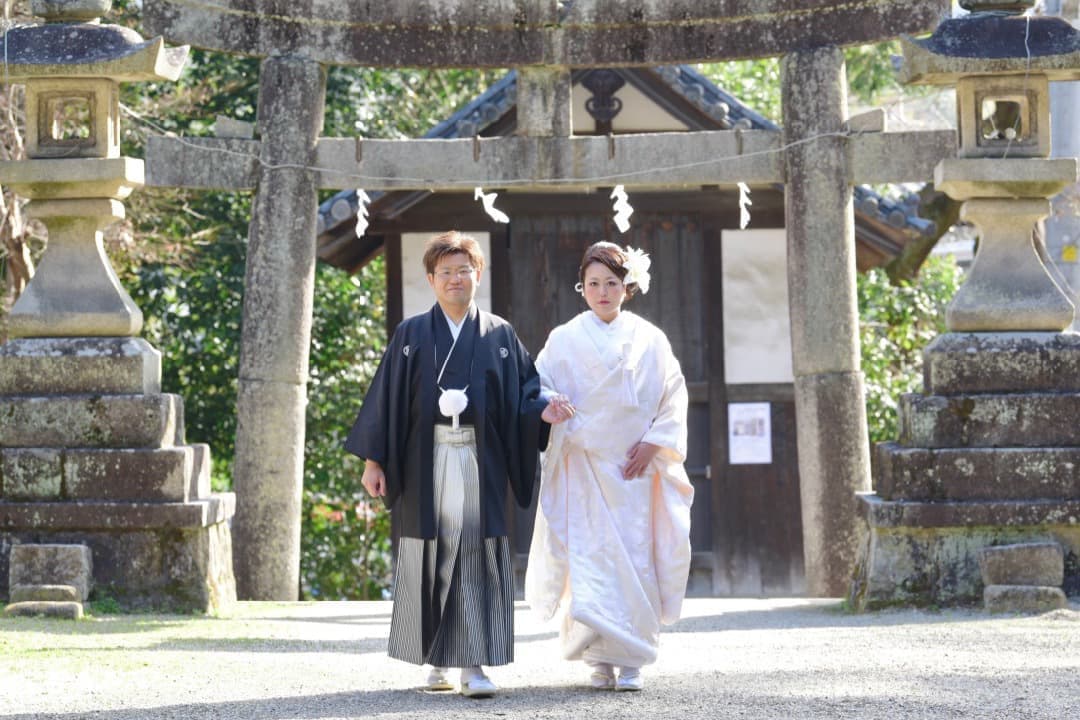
612	536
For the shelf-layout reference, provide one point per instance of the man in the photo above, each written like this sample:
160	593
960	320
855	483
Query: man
452	417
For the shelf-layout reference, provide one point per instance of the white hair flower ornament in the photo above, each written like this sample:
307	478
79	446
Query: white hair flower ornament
637	268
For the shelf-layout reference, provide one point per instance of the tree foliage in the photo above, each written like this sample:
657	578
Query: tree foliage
756	83
896	322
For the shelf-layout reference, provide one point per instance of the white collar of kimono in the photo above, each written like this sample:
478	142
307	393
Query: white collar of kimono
453	402
616	323
455	331
455	328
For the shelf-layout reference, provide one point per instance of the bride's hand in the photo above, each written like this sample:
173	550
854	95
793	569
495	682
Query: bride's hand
638	459
559	409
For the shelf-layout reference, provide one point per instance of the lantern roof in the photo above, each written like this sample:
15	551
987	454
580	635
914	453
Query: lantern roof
87	49
992	43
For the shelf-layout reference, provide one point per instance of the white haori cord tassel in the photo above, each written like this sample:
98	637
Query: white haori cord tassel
452	403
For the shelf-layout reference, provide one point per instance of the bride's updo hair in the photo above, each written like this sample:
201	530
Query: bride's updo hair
610	256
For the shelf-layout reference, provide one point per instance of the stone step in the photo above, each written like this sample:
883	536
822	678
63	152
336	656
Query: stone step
902	473
93	515
44	608
928	553
1003	514
44	593
162	474
105	365
51	564
969	363
991	420
175	474
1023	564
92	421
1023	599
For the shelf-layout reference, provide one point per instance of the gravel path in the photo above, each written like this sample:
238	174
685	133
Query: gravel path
725	659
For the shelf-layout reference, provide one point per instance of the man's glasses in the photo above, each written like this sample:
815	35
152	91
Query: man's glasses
461	272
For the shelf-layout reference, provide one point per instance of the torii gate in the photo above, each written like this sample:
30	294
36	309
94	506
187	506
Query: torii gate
817	156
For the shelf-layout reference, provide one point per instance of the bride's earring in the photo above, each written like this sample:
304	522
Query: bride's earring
580	289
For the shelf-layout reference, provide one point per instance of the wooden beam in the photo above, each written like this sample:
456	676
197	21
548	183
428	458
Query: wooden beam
514	33
720	157
204	163
658	159
899	157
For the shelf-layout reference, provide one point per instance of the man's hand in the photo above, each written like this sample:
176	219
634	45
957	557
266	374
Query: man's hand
638	459
374	479
559	409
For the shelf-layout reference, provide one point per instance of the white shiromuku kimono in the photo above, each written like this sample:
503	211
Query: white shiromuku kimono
614	552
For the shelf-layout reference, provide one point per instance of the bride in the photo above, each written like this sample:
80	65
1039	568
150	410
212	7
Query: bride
611	544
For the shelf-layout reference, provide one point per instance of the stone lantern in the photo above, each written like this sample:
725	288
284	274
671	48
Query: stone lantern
72	68
988	456
1001	63
92	453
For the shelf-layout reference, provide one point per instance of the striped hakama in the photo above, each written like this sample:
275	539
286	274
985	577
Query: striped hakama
463	579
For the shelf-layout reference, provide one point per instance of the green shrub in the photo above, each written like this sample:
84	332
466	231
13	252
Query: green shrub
896	323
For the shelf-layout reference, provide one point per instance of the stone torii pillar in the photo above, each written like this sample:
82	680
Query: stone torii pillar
830	406
545	40
279	287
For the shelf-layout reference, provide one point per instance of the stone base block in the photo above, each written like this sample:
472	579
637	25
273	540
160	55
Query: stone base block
65	366
1040	564
902	473
55	563
989	420
44	608
164	474
100	421
1023	599
45	516
165	556
173	474
45	593
967	363
928	553
966	514
31	474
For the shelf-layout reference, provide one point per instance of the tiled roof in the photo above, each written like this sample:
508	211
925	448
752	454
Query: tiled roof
723	108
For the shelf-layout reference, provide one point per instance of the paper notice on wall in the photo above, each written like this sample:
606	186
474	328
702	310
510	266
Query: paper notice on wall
749	434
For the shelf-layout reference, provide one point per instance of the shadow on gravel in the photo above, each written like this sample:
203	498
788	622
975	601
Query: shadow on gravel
535	637
532	703
361	646
1035	695
97	625
380	619
238	645
792	618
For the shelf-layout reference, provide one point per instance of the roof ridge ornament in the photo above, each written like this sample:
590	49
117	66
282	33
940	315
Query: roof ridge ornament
70	11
